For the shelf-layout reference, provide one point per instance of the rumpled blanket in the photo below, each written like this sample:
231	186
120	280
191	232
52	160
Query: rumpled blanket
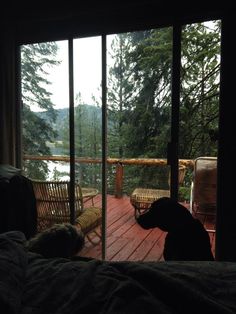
61	285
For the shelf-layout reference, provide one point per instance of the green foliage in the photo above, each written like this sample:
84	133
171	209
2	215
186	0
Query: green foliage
199	110
88	141
139	105
120	94
184	194
140	121
35	60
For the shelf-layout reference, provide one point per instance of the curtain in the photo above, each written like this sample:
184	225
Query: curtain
9	118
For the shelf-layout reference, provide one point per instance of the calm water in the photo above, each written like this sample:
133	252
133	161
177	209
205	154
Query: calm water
58	170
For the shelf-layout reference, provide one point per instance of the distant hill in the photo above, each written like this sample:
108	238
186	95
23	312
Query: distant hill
62	115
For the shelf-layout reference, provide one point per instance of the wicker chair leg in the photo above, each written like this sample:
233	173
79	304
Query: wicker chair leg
94	242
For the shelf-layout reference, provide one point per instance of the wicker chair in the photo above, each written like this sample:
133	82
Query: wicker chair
142	198
53	206
203	187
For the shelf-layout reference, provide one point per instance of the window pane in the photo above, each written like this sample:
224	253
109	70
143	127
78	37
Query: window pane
199	115
44	72
88	127
139	115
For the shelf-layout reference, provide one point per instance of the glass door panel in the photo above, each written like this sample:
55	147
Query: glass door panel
199	117
45	103
139	114
88	130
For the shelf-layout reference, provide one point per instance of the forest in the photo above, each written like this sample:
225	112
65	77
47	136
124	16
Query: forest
138	106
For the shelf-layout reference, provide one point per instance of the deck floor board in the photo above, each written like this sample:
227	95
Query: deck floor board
126	240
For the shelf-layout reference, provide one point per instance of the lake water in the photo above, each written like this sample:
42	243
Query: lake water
58	170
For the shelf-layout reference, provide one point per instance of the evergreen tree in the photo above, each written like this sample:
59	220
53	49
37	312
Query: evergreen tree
199	111
150	115
88	140
148	120
37	131
121	88
145	62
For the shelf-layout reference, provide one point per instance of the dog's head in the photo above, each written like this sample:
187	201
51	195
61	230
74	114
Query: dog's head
61	240
166	214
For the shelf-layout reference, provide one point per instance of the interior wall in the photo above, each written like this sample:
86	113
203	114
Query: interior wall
226	214
8	111
104	18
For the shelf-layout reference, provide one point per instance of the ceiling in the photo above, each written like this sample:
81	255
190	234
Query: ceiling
22	11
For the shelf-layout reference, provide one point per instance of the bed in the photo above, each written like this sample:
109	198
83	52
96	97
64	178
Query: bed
32	284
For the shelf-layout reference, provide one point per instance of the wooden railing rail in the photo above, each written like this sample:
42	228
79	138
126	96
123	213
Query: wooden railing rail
125	161
119	162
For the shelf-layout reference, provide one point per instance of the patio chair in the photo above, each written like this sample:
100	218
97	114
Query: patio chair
203	187
53	206
88	194
142	198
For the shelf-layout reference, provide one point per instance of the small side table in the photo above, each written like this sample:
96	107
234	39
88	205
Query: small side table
142	199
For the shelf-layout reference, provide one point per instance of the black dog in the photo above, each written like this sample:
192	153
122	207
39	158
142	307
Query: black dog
61	240
186	239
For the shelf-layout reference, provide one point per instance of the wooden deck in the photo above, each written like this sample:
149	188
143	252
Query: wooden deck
126	240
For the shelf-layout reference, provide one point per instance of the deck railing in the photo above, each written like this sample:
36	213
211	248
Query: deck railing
118	162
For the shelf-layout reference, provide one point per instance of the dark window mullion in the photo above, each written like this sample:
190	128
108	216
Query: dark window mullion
176	62
104	143
72	132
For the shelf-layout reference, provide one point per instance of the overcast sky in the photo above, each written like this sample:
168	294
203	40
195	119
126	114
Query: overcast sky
87	71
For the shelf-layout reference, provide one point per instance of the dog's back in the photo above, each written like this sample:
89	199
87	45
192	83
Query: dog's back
186	239
191	242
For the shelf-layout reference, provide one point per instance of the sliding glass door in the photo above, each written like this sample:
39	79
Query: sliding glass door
62	121
119	112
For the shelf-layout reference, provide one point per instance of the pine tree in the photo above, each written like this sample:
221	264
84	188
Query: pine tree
88	140
150	115
37	131
143	123
199	111
121	88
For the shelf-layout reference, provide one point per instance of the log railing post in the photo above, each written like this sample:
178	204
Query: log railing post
119	180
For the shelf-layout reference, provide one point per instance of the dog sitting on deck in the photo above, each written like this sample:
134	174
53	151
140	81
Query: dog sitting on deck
186	237
61	240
